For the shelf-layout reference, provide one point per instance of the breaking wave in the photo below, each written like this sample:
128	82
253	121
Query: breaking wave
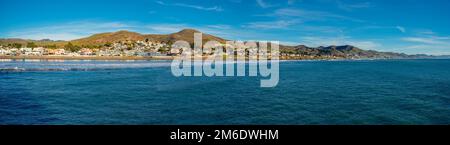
24	66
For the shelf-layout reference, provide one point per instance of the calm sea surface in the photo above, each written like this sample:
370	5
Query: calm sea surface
146	92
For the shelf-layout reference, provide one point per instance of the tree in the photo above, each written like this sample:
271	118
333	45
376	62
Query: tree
108	44
17	45
31	45
73	48
51	46
163	50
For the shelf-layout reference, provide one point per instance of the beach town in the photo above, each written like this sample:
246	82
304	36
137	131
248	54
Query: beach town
130	45
117	50
138	48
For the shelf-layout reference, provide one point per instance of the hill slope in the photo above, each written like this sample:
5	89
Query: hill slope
185	34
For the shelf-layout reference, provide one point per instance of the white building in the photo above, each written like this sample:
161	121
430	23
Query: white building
26	50
56	52
39	49
4	52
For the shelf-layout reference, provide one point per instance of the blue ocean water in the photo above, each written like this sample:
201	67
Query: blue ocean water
146	92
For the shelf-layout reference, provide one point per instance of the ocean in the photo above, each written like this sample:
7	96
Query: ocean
61	92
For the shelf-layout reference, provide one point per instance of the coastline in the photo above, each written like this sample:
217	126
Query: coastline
47	57
90	57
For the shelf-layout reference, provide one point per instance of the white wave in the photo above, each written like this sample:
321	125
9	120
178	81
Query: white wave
15	66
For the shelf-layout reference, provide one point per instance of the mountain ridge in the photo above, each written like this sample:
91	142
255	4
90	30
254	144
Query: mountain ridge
124	35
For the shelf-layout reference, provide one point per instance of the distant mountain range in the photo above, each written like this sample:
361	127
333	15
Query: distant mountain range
345	51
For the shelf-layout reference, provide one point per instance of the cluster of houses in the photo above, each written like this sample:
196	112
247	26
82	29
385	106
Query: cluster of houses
127	48
138	48
22	51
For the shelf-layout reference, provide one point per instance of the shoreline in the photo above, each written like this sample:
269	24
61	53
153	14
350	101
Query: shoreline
161	58
90	57
47	57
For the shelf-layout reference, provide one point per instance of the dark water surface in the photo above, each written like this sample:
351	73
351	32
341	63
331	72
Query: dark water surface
146	92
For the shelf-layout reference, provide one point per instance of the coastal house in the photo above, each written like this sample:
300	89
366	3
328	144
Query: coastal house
73	54
86	51
103	53
4	52
130	53
109	53
156	54
119	46
175	51
26	50
56	52
12	52
38	51
32	51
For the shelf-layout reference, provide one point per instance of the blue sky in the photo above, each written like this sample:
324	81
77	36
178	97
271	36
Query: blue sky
414	26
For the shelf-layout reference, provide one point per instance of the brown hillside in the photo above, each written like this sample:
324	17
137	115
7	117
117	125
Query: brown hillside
102	38
109	37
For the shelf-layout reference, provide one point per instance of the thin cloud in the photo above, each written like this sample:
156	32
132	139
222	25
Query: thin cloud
281	24
369	27
426	32
263	4
220	26
401	29
309	15
350	7
198	7
426	40
422	48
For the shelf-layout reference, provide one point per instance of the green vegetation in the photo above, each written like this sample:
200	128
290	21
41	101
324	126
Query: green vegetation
31	45
73	48
163	50
108	44
16	45
51	46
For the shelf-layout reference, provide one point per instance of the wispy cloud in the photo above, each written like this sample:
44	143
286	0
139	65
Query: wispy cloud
426	32
263	4
309	15
281	24
368	27
219	26
401	29
427	44
428	40
350	7
198	7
